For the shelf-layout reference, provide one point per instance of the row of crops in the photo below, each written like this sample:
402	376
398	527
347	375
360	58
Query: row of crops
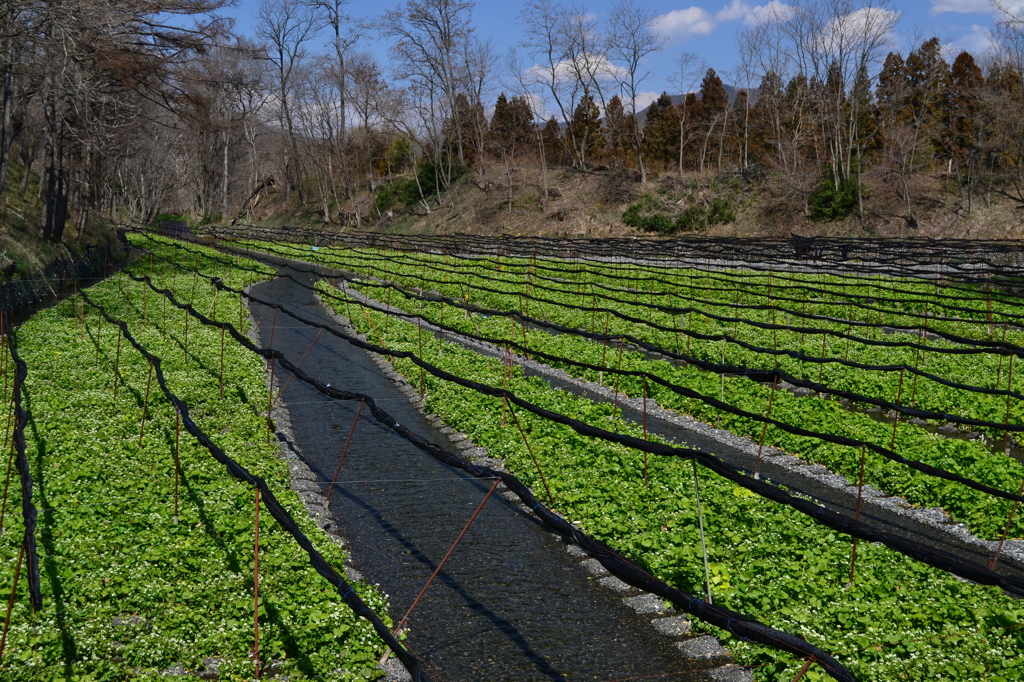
146	441
907	379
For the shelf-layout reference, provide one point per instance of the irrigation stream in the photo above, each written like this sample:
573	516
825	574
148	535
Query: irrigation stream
510	604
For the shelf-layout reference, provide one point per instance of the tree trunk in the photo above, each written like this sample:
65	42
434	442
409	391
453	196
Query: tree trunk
224	209
5	125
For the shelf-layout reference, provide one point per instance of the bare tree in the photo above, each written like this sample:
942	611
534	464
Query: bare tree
630	41
428	35
285	26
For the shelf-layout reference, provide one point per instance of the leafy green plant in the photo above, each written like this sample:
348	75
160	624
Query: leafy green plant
130	590
897	620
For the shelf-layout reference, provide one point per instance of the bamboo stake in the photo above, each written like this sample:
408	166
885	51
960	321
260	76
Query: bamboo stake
764	430
860	497
703	541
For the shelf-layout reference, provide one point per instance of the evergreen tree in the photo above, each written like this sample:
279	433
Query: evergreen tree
661	131
511	128
585	130
617	132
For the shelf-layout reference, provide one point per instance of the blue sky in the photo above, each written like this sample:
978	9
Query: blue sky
708	28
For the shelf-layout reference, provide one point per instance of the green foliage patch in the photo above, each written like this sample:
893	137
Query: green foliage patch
129	591
899	619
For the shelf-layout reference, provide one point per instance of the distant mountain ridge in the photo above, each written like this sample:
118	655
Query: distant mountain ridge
676	100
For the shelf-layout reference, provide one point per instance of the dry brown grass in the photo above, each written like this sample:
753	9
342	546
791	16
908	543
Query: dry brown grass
501	199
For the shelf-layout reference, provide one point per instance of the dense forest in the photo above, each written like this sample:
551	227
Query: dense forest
126	109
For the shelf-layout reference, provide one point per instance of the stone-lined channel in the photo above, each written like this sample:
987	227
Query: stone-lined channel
511	603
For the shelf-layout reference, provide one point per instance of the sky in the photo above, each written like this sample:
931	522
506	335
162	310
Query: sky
707	28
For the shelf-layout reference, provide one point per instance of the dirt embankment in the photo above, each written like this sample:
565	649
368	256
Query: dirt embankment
526	200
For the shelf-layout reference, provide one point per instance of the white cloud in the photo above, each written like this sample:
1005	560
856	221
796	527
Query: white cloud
976	6
868	24
961	6
762	13
737	9
978	41
567	70
645	99
683	24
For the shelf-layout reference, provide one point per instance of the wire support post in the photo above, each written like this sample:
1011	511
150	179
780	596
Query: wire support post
341	459
529	448
405	619
256	586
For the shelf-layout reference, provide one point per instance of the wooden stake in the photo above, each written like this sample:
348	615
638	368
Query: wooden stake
423	384
1006	419
1006	531
177	469
7	483
301	360
405	619
99	327
10	600
529	449
803	670
896	419
344	452
506	369
646	478
618	377
117	365
256	587
145	403
223	327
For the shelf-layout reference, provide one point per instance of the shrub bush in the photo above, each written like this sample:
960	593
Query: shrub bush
649	214
833	202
